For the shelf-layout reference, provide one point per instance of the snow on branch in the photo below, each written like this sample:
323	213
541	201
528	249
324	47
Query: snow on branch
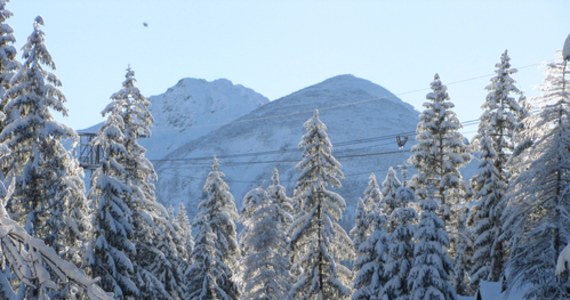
28	257
563	262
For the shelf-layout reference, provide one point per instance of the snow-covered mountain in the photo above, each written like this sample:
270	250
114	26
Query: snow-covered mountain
193	108
363	119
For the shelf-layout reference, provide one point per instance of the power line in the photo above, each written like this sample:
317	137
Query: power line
339	144
196	160
285	150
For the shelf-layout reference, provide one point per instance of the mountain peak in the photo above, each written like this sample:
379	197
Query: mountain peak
194	83
347	85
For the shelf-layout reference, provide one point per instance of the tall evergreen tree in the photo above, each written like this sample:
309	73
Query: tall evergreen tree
486	219
216	251
156	259
49	198
185	232
319	242
372	196
495	140
370	275
368	206
538	199
264	245
432	267
390	187
278	195
8	63
113	248
359	232
502	113
208	273
438	155
440	150
401	250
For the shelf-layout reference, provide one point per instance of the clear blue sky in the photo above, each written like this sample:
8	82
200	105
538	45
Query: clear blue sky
278	47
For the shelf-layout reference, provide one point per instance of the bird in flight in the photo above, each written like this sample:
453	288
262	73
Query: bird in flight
145	24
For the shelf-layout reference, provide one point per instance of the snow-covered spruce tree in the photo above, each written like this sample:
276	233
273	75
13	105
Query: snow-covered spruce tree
113	248
359	232
277	193
156	259
401	248
8	62
208	270
264	245
495	140
502	114
430	276
486	224
440	150
390	187
370	275
438	155
538	198
185	232
369	205
49	198
372	196
216	251
319	243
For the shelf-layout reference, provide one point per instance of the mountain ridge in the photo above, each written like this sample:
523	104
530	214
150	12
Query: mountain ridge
252	145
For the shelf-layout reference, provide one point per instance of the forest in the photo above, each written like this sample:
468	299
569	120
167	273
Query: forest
426	233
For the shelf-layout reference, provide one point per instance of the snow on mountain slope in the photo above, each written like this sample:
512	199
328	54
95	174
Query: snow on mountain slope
363	119
193	108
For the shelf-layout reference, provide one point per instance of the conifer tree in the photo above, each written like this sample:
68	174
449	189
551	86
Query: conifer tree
495	140
359	232
502	114
113	248
49	194
370	264
208	272
216	251
538	199
432	267
438	155
390	187
264	246
319	243
368	206
8	63
156	259
401	249
486	219
440	150
185	232
278	195
372	196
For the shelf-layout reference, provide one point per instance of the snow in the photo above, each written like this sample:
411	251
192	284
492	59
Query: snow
490	290
191	109
563	261
566	49
267	137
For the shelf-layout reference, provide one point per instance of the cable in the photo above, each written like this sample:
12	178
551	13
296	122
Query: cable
285	150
